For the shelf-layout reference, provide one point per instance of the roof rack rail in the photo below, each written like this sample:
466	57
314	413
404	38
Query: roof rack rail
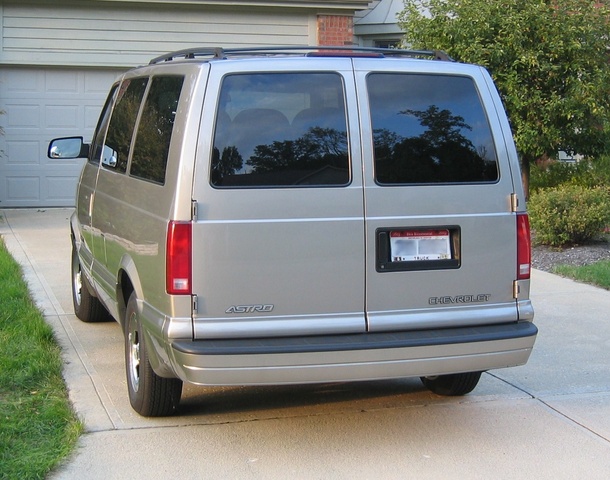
213	53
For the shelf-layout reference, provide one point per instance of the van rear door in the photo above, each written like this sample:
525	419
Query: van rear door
440	233
278	241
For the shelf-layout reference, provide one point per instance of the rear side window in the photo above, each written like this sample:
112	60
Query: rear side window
122	124
429	129
281	130
149	158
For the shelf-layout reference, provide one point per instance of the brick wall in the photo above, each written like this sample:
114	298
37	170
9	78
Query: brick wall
335	30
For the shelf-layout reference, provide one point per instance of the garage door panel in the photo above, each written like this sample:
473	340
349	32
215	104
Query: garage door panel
27	185
21	115
99	83
23	188
60	188
21	81
24	152
62	116
61	81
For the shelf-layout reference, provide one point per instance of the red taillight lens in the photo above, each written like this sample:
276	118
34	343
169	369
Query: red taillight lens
178	267
524	247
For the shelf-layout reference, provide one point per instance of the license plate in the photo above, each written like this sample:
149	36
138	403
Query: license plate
419	245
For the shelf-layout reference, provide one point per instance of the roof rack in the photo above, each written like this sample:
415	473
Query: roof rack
215	53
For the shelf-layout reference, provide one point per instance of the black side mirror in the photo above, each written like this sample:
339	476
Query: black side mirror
70	147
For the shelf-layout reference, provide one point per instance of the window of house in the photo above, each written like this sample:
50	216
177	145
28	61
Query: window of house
118	140
429	129
281	130
394	43
149	159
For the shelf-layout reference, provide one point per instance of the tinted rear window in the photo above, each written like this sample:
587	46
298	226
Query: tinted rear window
429	129
281	130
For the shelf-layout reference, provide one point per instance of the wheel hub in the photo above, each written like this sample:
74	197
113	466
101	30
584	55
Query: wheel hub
134	360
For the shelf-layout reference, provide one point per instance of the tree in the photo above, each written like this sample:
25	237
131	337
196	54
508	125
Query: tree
549	59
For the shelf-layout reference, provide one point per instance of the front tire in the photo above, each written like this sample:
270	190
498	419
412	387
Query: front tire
452	385
87	307
149	394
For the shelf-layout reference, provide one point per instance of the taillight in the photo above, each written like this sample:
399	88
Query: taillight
524	247
178	262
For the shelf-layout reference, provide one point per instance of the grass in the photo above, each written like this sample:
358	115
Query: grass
596	274
38	427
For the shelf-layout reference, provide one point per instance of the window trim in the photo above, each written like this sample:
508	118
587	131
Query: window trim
350	176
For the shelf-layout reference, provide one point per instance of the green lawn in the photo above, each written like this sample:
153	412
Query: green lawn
38	427
595	274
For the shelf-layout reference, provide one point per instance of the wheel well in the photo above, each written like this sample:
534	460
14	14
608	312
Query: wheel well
124	291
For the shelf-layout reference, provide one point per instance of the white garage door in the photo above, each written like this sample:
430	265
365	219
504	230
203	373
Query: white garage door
40	104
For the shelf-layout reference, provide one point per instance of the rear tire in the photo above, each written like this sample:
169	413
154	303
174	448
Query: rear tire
149	394
452	385
87	307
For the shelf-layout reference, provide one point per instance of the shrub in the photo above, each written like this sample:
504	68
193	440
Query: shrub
587	173
596	174
569	214
554	174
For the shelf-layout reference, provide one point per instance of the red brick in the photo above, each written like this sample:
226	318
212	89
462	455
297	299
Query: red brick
335	30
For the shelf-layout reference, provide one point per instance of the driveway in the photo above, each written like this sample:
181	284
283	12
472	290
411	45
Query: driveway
549	419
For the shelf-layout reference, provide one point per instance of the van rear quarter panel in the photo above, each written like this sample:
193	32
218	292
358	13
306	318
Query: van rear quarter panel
132	214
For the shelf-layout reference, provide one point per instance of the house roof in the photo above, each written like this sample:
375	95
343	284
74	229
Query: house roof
380	18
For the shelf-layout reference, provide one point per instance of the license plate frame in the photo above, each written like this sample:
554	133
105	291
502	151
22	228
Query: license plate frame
418	248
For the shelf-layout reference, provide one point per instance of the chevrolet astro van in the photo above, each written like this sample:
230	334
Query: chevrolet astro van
269	216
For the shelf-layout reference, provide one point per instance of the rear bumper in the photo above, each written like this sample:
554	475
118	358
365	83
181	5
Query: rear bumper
368	356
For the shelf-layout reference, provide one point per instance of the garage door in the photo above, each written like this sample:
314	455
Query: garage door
40	104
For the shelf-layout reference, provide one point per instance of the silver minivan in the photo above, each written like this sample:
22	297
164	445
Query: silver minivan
293	215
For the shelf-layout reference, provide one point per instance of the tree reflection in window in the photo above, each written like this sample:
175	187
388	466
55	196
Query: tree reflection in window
260	147
122	124
448	141
149	160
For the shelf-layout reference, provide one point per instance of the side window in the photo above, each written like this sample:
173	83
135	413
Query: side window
102	125
118	140
429	129
281	130
154	134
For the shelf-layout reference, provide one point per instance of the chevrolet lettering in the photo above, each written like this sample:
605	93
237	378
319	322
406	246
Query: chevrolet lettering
480	298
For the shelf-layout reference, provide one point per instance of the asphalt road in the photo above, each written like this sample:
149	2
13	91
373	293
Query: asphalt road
549	419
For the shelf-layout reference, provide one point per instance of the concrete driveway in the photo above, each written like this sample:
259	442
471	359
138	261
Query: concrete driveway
549	419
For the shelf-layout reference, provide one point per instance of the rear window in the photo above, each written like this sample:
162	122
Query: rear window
281	130
429	129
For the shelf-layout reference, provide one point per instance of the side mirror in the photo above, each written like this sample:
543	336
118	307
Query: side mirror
71	147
